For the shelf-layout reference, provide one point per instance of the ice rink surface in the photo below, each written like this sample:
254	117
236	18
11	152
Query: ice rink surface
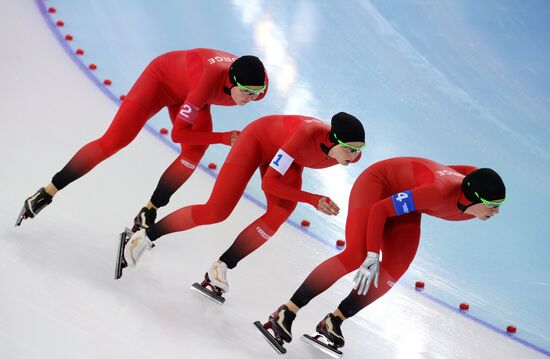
57	295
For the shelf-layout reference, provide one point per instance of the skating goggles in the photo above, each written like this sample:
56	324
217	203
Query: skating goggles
248	90
487	203
352	148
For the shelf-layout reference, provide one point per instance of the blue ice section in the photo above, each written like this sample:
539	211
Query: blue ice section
464	82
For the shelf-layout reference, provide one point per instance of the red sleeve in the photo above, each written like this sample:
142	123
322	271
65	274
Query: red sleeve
272	181
203	82
424	197
182	131
465	170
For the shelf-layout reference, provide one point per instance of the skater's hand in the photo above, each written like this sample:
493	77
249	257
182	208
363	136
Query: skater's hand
234	136
366	273
326	206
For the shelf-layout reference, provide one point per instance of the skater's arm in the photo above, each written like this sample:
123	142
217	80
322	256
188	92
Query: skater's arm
417	199
183	131
192	137
204	84
273	181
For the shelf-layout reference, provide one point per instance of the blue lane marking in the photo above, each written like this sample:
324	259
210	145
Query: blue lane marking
176	148
485	324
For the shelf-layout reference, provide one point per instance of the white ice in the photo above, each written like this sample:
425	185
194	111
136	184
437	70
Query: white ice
58	298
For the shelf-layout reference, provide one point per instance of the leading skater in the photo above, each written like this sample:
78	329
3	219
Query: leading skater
385	207
281	147
187	83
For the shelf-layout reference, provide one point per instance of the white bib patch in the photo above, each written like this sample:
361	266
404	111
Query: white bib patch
281	162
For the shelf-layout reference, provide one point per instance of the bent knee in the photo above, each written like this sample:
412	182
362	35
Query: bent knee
110	146
347	261
350	260
209	214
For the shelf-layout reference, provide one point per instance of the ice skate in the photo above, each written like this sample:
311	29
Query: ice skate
33	205
145	218
124	237
280	323
329	336
215	283
134	248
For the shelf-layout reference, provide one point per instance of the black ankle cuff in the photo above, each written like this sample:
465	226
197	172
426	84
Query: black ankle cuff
229	259
152	234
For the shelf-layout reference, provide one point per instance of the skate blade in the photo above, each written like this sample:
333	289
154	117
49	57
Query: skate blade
325	348
270	338
120	255
21	217
208	293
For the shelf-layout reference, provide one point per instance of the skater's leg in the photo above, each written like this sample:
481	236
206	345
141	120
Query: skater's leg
366	191
143	101
176	174
254	236
242	162
183	166
119	134
399	246
334	268
328	272
249	240
128	121
259	231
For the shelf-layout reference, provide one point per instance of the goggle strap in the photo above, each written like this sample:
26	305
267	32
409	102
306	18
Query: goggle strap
346	145
243	87
485	201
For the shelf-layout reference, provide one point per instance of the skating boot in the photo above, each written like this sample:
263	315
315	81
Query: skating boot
214	283
33	205
280	323
329	337
135	247
145	218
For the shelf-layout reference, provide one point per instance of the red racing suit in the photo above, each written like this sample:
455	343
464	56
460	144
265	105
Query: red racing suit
281	147
385	207
187	83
